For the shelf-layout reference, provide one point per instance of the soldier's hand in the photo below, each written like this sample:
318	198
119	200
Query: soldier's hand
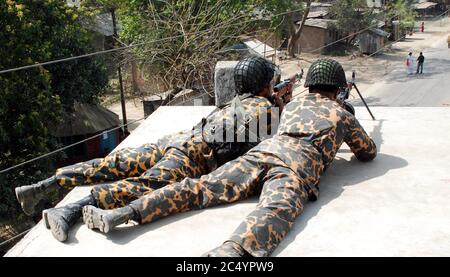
278	101
349	107
287	97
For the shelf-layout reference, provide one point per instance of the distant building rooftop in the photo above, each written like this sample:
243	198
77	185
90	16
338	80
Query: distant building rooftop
423	5
317	22
318	14
260	48
86	119
379	32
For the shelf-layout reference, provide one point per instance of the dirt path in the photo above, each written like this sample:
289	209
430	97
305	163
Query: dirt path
134	110
369	70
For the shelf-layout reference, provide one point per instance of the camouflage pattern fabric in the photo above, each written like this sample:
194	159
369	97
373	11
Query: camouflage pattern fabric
127	162
192	157
174	166
285	170
326	125
281	200
136	172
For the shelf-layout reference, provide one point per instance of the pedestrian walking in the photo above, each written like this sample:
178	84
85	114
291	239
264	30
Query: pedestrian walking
410	63
420	61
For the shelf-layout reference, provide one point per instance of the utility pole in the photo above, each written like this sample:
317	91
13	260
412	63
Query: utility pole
119	71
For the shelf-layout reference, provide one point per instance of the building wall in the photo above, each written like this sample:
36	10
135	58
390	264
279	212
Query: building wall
91	149
311	39
271	39
369	43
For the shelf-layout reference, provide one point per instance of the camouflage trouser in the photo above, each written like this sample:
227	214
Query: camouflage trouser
124	163
283	194
174	166
134	172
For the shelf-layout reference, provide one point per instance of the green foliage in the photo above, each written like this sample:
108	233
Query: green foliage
189	56
401	10
32	100
352	16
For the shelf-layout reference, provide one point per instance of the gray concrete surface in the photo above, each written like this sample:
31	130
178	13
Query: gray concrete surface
396	205
224	82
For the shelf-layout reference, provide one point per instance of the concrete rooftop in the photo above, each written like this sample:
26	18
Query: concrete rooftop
397	205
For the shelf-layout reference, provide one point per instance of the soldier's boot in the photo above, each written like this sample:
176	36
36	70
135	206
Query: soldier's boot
31	197
59	220
106	220
228	249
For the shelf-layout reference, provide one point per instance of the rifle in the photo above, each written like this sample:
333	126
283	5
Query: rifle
285	88
345	92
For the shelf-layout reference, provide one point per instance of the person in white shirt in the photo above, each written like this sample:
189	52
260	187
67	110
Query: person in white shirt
410	63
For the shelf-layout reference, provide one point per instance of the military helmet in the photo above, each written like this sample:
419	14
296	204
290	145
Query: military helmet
326	72
252	74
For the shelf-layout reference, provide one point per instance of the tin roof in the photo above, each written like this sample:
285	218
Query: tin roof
423	5
317	22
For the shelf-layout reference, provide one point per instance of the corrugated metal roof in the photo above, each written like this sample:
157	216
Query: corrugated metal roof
318	4
260	48
318	22
423	5
316	14
379	32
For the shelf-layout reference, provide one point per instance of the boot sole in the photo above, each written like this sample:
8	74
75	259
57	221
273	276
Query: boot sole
96	218
45	218
55	225
29	206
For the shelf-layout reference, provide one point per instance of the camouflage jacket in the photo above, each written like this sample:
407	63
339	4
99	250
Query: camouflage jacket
312	129
218	138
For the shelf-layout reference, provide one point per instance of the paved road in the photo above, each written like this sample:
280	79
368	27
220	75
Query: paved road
430	89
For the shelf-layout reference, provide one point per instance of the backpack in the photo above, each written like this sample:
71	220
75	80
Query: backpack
225	128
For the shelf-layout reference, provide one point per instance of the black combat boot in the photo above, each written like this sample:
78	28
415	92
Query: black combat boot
228	249
59	220
31	197
106	220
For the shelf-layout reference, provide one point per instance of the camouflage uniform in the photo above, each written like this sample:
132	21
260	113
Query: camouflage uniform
139	171
285	170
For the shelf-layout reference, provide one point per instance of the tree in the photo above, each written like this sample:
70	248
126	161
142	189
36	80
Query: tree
295	32
352	16
197	29
33	100
402	11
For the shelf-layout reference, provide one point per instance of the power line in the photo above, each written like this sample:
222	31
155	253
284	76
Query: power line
92	54
368	56
329	44
13	238
68	146
253	48
390	44
336	41
135	45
